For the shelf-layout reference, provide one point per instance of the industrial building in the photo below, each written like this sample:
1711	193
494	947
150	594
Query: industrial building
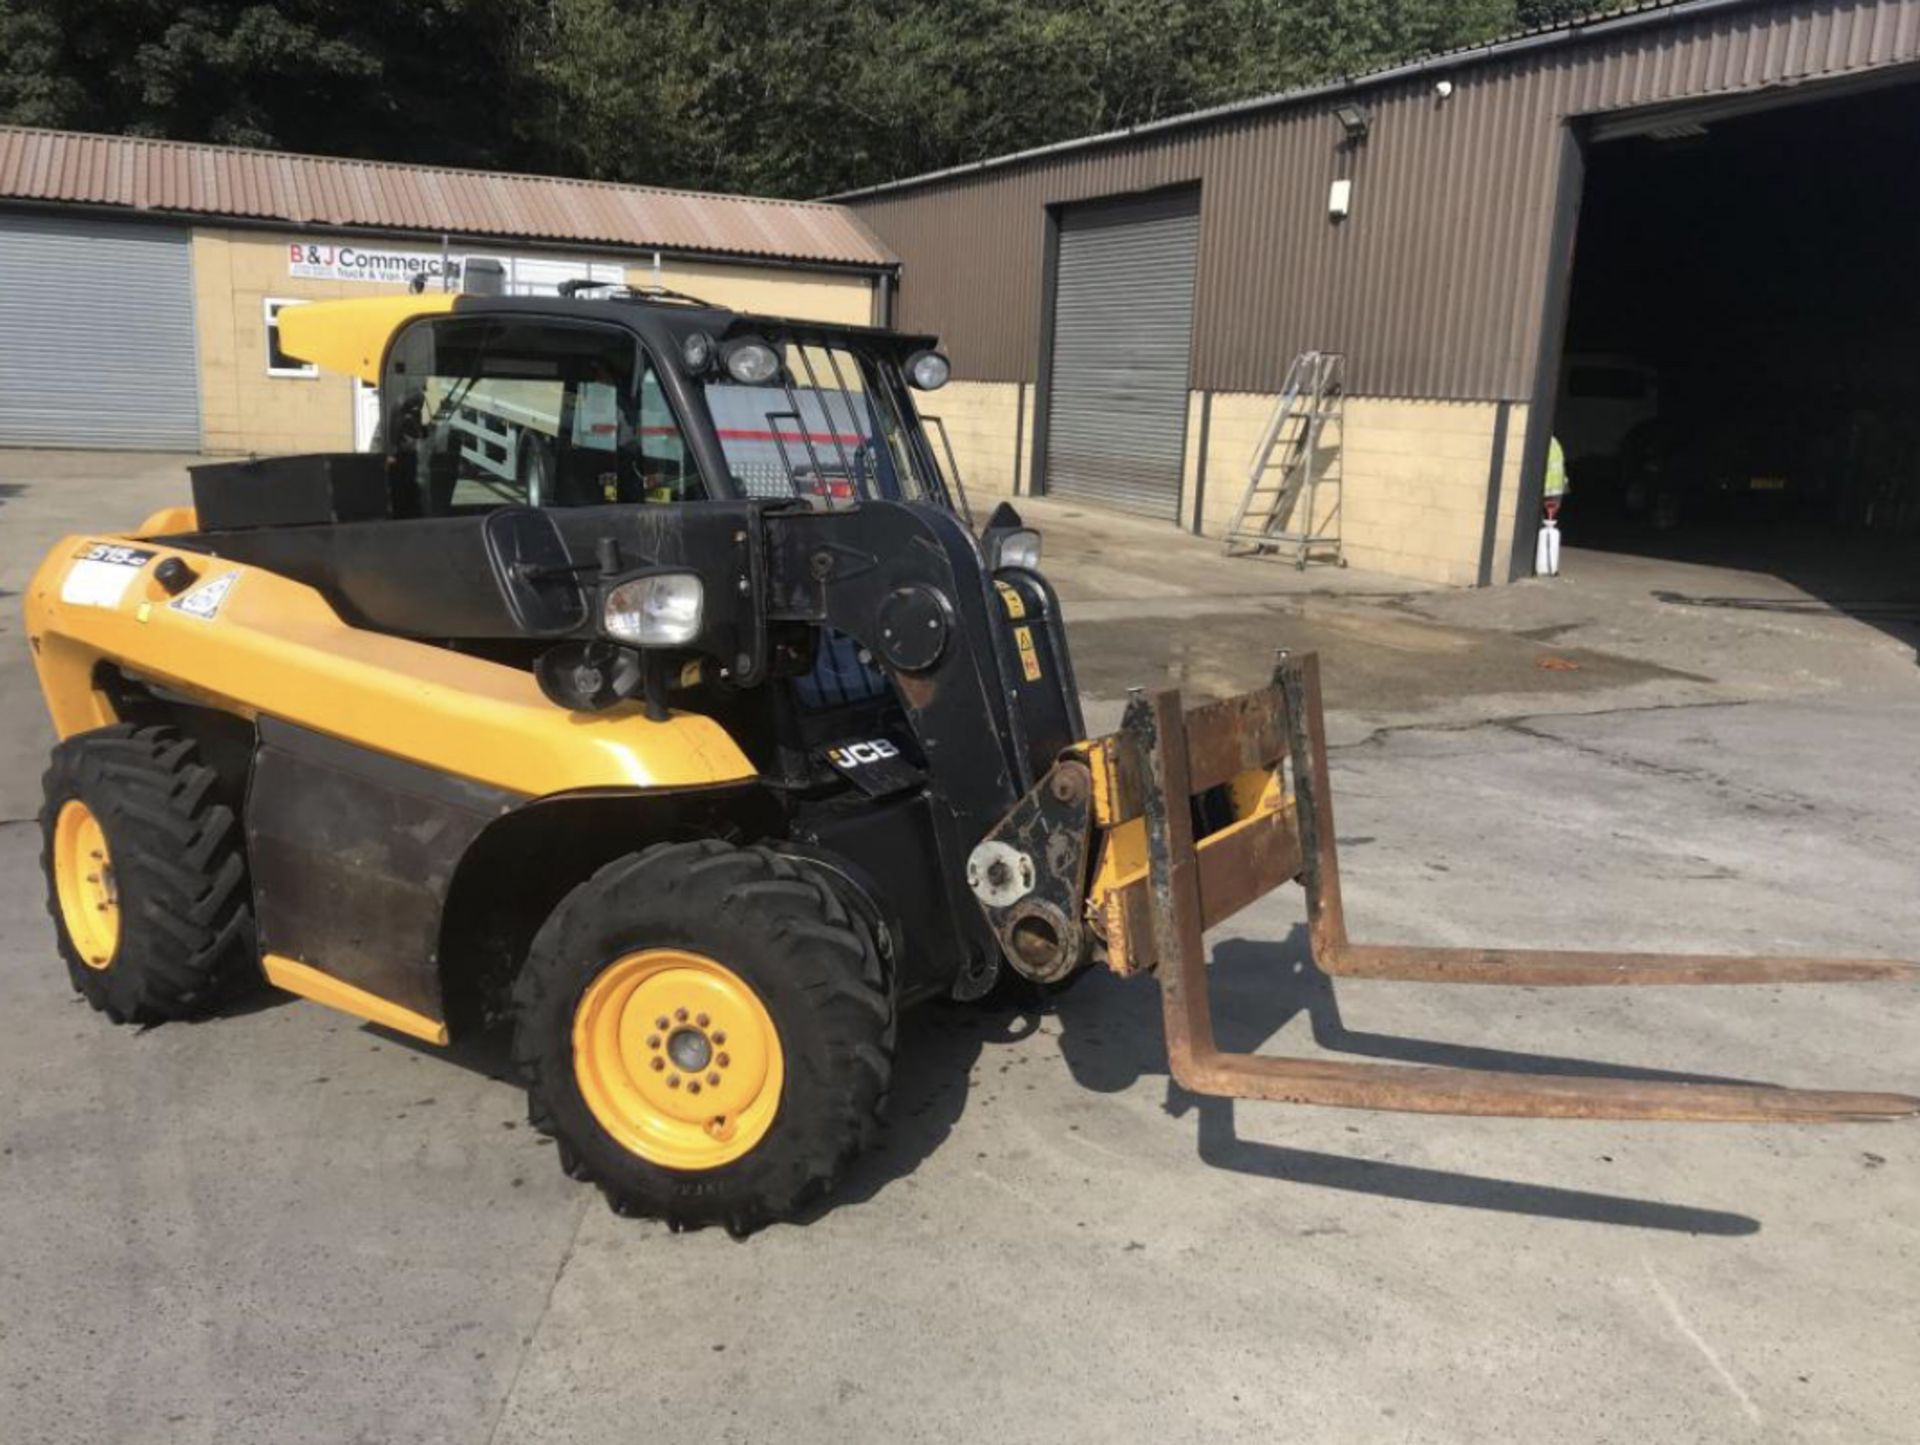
140	279
1680	238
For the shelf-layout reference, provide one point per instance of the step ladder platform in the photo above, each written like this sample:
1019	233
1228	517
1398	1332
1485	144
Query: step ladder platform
1290	507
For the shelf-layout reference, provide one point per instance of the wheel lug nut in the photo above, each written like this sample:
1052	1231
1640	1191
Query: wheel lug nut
673	1081
658	1065
713	1078
720	1037
723	1061
653	1041
660	1022
700	1019
680	1015
693	1087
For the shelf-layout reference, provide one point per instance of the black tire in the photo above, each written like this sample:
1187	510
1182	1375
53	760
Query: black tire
186	942
533	468
782	927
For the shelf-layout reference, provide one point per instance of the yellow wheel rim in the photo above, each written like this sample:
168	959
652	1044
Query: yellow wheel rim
83	881
677	1058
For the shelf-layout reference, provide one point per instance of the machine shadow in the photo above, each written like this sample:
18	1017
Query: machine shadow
1110	1037
935	1062
937	1052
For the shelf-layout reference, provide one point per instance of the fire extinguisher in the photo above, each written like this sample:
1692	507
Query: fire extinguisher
1546	548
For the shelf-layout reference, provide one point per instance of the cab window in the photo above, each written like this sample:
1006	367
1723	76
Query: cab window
824	426
481	412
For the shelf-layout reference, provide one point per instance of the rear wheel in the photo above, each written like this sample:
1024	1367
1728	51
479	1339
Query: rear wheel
533	465
707	1032
145	879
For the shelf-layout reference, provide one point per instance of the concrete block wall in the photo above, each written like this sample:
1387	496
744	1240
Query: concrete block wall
768	290
242	409
1416	486
983	419
1414	473
1413	479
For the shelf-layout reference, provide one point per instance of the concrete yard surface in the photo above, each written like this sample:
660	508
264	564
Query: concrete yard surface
282	1225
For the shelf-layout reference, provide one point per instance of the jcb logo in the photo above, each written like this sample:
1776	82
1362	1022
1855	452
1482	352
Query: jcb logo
854	754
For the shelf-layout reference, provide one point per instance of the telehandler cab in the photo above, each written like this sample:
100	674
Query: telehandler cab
646	688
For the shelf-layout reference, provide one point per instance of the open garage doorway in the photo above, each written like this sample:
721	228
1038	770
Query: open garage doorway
1740	373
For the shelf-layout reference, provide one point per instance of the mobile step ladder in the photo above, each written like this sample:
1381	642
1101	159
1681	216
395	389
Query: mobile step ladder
1291	507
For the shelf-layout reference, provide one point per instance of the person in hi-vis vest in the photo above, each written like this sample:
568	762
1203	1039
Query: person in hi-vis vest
1556	488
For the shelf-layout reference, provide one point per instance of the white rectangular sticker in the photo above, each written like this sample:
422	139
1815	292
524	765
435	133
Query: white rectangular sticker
101	573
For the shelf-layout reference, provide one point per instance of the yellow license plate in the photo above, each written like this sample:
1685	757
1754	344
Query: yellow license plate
1766	484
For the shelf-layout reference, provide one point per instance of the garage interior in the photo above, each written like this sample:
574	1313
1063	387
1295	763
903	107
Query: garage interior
1739	384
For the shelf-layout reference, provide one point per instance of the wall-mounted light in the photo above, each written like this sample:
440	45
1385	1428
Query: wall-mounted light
1354	120
1442	88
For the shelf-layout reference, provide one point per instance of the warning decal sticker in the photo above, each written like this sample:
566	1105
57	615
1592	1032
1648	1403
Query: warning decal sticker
204	601
1029	659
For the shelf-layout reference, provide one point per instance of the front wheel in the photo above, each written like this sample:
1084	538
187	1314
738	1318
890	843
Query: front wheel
707	1032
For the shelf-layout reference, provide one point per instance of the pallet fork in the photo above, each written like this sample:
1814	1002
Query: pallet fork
1154	911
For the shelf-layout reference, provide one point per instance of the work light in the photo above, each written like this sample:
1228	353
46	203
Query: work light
928	370
659	609
1019	547
752	362
697	352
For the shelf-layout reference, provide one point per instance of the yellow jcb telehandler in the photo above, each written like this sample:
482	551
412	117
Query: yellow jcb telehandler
646	687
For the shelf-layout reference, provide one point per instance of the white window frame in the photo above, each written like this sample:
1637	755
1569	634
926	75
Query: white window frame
269	307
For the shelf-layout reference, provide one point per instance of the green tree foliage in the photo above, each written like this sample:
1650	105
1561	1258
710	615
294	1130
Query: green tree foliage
749	95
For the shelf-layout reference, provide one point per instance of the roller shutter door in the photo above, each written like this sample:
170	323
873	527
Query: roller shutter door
96	334
1122	342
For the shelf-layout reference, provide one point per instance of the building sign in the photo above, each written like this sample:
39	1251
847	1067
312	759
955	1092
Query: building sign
325	261
386	265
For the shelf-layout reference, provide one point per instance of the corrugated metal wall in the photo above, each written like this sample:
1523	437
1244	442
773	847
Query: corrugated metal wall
97	341
1434	286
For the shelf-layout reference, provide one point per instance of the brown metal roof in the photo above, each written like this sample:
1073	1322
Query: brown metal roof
1631	13
1437	285
221	181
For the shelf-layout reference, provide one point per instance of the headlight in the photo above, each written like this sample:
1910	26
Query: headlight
928	370
752	363
1017	548
661	610
697	352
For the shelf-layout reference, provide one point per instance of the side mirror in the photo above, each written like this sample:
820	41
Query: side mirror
534	571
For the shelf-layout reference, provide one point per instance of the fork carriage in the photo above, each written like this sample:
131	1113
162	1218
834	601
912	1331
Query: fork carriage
1166	871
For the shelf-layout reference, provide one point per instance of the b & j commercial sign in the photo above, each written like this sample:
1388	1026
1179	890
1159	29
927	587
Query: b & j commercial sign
326	262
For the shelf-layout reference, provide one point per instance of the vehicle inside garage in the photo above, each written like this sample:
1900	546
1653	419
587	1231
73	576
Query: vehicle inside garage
1739	383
